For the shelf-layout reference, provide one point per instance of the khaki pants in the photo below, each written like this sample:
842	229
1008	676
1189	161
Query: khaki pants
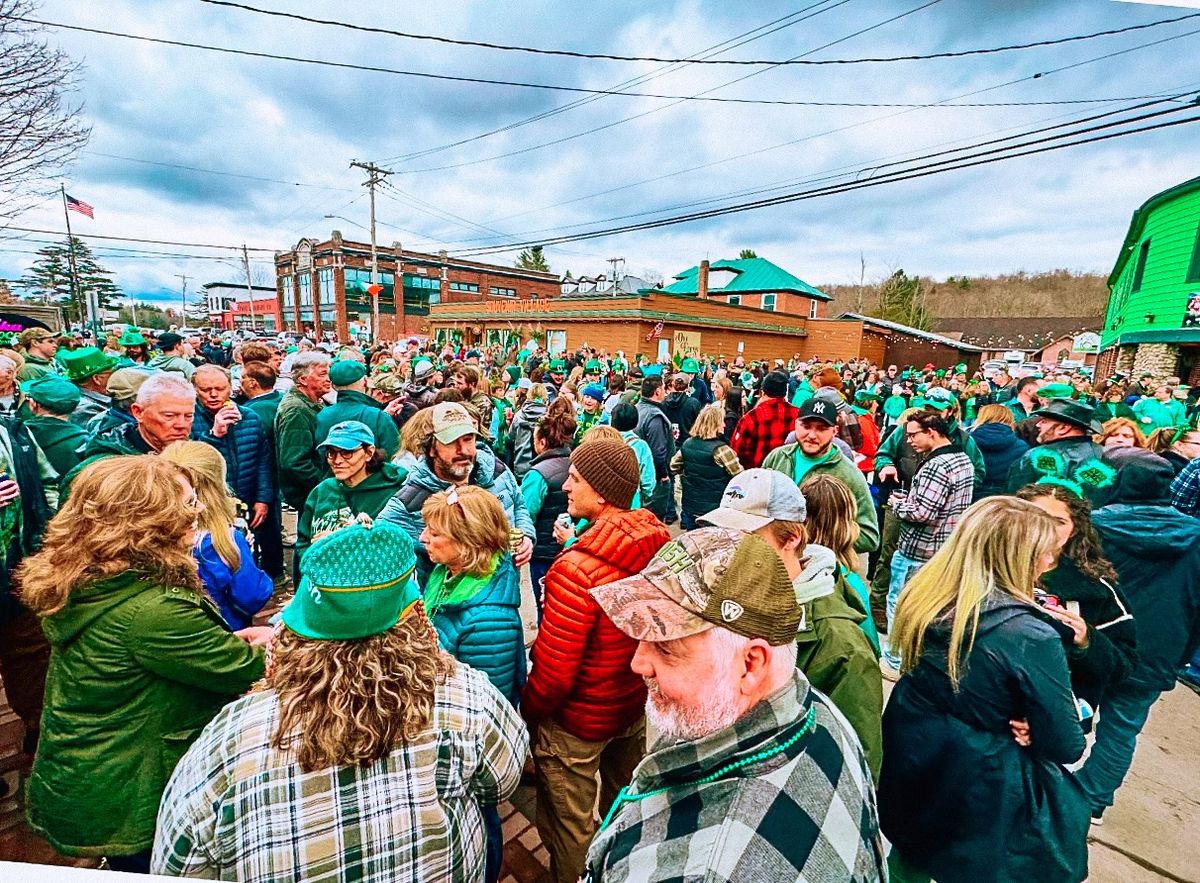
572	775
889	536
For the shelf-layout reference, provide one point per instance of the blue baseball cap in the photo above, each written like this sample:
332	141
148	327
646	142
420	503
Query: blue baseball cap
347	435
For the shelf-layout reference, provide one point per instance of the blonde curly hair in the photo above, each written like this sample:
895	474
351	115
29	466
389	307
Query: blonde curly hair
353	702
123	514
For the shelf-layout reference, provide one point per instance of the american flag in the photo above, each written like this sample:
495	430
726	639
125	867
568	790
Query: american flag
657	332
80	206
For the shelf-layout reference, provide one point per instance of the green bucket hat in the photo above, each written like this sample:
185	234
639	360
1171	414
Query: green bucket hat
355	582
1056	391
53	392
85	362
689	366
132	338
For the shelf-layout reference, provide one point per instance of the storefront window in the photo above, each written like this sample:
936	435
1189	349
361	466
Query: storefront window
288	296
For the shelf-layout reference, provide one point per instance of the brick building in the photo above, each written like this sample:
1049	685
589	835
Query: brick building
322	287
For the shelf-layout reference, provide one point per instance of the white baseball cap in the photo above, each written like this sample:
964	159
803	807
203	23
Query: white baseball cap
755	498
451	422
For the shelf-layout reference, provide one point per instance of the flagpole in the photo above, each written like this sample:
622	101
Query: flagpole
71	255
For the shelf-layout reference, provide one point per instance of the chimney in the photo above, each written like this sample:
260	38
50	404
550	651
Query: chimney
702	284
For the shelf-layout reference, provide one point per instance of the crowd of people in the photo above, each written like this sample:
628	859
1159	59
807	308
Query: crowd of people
261	607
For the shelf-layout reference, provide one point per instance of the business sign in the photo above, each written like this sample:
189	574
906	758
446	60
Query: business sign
1191	319
1088	342
16	323
529	305
686	343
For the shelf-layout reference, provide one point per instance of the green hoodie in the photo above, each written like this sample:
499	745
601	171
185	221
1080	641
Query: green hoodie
783	459
332	504
62	442
137	670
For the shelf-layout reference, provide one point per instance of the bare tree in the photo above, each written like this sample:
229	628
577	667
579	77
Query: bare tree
41	131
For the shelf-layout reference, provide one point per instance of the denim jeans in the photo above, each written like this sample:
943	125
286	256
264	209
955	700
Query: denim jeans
672	512
537	573
687	521
1122	715
495	843
903	569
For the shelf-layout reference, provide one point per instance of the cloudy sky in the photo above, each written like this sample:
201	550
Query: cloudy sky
538	162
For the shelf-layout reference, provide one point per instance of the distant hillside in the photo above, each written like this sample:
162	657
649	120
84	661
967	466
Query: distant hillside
1058	293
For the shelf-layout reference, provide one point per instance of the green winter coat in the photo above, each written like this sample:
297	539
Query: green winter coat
62	442
354	405
300	467
136	672
265	407
332	504
896	451
35	368
783	459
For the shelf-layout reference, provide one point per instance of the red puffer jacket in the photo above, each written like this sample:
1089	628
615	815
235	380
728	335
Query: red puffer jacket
580	674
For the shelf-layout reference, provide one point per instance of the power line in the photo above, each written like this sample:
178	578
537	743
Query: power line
135	239
969	161
700	96
478	80
750	36
856	169
690	60
170	165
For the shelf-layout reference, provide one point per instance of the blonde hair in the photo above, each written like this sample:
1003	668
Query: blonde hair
994	550
124	514
416	432
603	432
995	414
710	422
832	516
1110	428
476	521
205	467
352	702
1162	440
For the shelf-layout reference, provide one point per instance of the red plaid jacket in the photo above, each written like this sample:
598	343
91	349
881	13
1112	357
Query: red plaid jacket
762	430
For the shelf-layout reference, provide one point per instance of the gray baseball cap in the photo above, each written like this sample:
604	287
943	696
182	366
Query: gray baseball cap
755	498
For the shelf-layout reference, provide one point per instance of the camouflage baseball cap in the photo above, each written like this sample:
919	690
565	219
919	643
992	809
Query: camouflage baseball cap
709	577
388	383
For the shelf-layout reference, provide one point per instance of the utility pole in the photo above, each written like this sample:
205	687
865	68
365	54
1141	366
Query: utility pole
614	262
375	176
133	311
185	279
249	285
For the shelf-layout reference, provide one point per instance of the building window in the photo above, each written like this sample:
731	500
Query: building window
768	302
812	309
325	294
502	292
1193	273
735	300
1139	269
288	297
464	286
305	280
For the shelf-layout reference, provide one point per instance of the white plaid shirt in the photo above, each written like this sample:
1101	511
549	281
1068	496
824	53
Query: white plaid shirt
238	809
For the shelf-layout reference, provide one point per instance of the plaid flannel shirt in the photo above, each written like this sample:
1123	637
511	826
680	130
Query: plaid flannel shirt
1185	490
941	492
238	809
762	429
806	813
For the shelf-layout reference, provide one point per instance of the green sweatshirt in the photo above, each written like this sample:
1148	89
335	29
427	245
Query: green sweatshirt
784	459
332	504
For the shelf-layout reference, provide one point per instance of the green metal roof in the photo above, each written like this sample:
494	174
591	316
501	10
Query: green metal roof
754	275
1138	223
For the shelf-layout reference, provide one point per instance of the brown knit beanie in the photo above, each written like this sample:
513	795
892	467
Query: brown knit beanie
611	468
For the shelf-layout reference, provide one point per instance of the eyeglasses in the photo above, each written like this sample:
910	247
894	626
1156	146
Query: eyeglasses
334	455
918	432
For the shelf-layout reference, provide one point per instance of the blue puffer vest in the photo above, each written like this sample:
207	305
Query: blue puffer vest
552	465
249	460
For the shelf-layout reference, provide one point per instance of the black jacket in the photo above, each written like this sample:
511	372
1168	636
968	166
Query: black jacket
703	478
655	429
1111	653
552	465
957	796
1156	551
681	409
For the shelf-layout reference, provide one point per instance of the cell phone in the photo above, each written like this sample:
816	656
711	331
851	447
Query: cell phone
1044	599
563	521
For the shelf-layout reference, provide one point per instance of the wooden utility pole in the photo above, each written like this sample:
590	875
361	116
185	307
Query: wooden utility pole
375	176
184	301
249	286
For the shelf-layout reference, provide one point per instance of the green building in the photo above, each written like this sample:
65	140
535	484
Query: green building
1153	318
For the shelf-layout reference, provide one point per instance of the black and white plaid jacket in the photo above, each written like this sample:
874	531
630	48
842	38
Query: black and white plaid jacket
806	813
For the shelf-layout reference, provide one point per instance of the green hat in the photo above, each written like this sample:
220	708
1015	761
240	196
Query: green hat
1056	391
558	366
865	395
940	372
593	367
53	392
355	582
960	368
85	362
292	348
389	383
689	366
939	398
346	372
513	372
652	370
132	338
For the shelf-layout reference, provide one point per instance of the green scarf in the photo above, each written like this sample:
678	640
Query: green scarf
443	589
805	464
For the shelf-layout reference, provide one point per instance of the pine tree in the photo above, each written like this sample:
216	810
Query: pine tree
533	259
747	254
902	299
50	279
